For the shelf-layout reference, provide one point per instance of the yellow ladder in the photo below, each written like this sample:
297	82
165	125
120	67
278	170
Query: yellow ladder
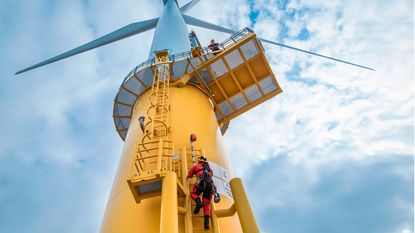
158	112
195	224
153	154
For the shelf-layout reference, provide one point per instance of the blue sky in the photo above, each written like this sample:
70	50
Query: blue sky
333	153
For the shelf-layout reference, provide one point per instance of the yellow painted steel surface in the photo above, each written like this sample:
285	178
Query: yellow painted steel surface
243	207
190	112
169	217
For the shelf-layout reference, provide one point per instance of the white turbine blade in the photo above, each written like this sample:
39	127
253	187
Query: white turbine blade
124	32
207	25
189	6
315	54
200	23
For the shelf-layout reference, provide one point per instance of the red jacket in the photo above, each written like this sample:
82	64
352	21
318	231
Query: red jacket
198	170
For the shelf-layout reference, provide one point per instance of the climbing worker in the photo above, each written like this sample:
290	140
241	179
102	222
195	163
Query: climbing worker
213	46
204	185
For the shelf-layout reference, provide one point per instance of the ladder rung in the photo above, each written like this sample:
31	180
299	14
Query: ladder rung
201	229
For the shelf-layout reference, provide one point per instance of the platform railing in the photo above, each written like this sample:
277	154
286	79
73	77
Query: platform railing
233	39
153	158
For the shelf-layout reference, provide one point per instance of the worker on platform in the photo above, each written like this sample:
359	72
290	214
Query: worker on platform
213	46
204	185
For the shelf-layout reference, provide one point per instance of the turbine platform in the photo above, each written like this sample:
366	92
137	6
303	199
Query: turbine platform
236	78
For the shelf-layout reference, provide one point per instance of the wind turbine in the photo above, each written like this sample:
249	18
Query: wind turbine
182	88
172	25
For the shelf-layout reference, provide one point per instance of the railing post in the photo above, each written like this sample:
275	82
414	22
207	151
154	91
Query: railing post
170	159
215	225
159	155
169	219
184	167
134	163
245	214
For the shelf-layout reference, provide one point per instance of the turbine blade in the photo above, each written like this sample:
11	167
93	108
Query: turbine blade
189	6
124	32
315	54
200	23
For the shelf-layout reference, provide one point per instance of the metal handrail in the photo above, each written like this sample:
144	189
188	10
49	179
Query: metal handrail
159	152
234	38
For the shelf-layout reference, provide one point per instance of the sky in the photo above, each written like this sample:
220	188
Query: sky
332	153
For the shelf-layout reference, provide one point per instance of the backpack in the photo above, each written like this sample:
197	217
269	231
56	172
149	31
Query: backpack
205	180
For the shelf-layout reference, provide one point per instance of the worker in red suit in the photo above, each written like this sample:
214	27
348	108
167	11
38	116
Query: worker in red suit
214	46
204	185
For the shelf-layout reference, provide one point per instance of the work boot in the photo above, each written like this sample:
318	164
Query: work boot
198	205
206	225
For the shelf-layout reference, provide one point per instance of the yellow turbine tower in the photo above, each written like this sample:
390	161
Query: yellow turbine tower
183	88
199	93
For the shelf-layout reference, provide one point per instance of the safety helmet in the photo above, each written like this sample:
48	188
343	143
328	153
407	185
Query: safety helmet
202	158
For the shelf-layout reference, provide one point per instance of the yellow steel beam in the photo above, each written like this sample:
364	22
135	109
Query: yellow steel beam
220	88
210	95
187	67
202	83
181	189
264	60
215	224
226	212
245	214
252	105
268	67
181	210
236	81
159	154
133	191
169	219
251	73
183	161
181	81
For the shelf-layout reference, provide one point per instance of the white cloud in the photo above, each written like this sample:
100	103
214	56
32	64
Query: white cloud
343	195
371	112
